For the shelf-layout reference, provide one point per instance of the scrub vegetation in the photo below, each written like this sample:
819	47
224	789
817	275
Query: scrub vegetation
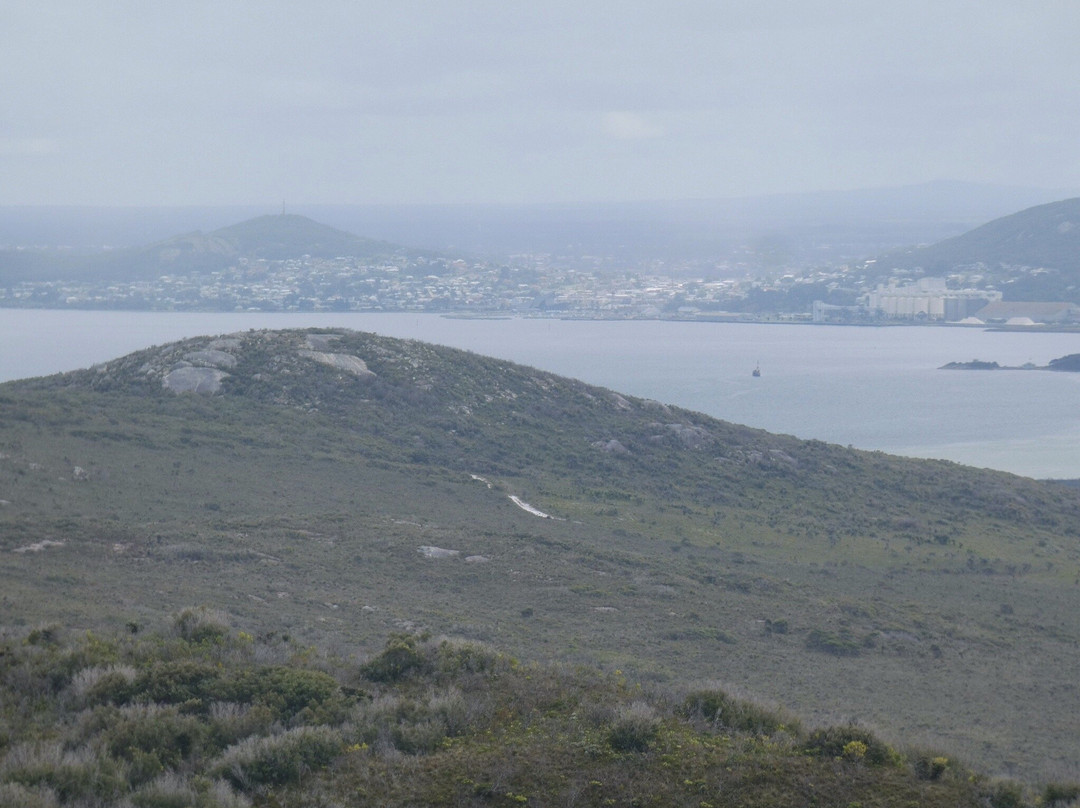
204	715
935	605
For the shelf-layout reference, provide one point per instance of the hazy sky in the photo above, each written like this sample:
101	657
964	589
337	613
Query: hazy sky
229	102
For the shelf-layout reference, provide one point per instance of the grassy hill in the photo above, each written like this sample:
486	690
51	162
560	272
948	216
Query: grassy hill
1044	238
340	487
277	237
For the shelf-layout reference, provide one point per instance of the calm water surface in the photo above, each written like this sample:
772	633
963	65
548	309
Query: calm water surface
873	388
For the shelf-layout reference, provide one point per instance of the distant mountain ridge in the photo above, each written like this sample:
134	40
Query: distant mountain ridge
863	221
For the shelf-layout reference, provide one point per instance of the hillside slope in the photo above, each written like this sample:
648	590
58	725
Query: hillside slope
1030	255
197	716
342	486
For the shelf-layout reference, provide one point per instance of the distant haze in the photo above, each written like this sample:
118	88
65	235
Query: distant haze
477	101
811	227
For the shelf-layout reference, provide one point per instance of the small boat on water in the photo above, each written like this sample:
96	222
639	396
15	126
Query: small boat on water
757	371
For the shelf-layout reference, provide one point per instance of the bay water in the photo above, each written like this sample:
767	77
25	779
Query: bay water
872	388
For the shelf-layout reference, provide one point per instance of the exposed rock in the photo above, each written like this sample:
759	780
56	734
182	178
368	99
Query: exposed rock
437	552
476	559
224	344
321	342
350	364
217	359
692	437
781	455
205	381
80	474
611	447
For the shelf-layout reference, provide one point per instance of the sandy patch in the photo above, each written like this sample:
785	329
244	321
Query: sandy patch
525	506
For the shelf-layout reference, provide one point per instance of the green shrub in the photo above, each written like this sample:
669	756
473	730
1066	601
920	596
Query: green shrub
1055	793
175	791
284	690
400	657
113	684
152	730
722	711
838	742
455	658
231	722
842	644
420	738
72	775
929	766
634	728
278	759
182	681
201	625
1006	794
450	708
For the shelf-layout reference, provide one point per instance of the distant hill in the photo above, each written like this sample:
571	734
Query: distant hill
275	237
1030	255
341	487
291	236
816	227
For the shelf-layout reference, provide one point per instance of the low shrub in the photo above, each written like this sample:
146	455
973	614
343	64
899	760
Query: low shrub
1006	794
284	690
929	766
828	642
151	730
72	775
455	658
634	728
419	738
851	743
112	684
720	710
14	794
201	625
181	681
175	791
1061	793
401	656
278	759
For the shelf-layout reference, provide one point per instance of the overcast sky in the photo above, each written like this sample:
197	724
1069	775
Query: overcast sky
226	102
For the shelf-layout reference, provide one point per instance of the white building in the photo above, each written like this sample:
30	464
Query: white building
927	299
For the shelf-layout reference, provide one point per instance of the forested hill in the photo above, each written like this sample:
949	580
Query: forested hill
342	486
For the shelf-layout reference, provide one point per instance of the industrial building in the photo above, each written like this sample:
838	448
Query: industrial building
927	299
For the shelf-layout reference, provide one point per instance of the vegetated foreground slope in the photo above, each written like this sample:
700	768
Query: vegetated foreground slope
209	717
342	486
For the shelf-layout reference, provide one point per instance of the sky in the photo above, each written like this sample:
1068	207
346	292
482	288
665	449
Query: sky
234	102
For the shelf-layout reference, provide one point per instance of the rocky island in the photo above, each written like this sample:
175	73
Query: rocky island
1070	363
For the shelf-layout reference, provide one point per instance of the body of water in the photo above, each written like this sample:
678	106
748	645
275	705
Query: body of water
873	388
